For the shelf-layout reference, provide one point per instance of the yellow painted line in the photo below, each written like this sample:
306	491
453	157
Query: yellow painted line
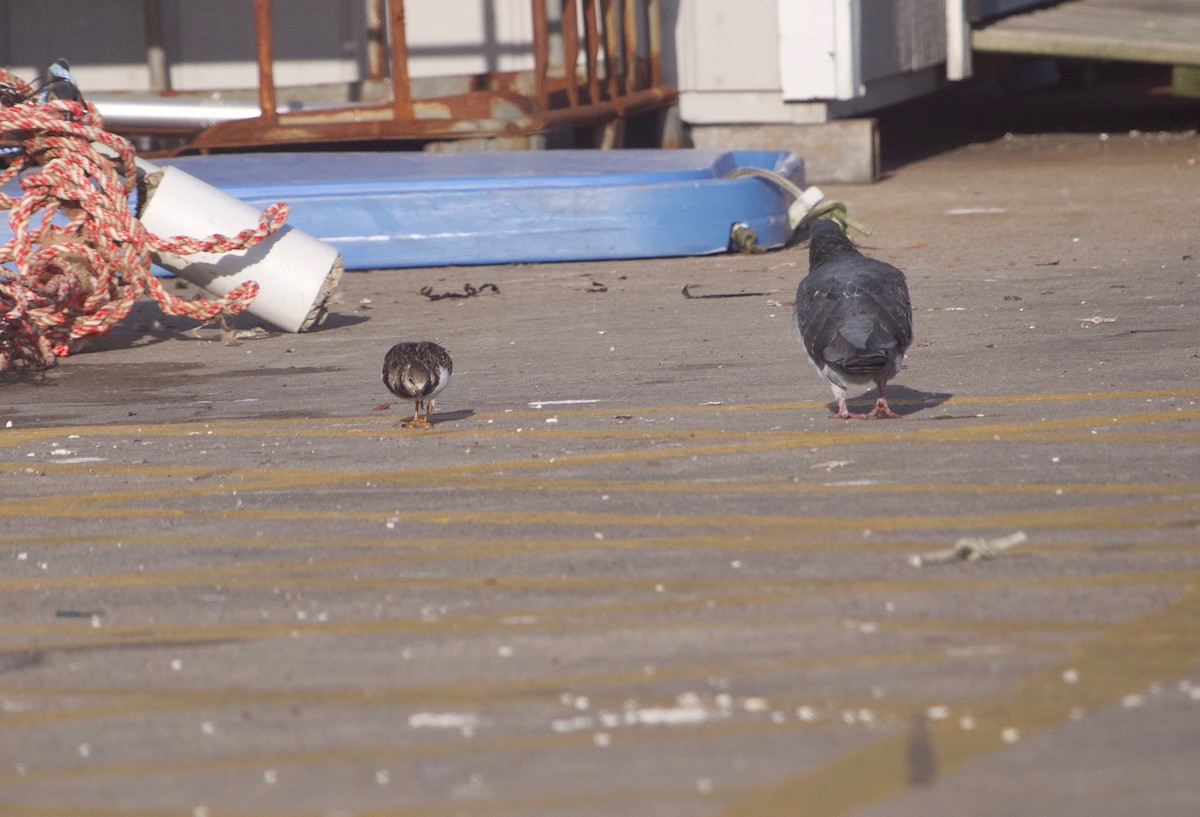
802	405
247	480
312	572
732	442
285	479
127	701
50	810
1108	516
1158	648
324	426
438	549
467	693
611	801
281	759
80	635
959	400
246	485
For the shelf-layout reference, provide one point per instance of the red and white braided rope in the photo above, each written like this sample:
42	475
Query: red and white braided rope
79	259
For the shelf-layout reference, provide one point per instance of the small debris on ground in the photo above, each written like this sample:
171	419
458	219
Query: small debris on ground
688	294
469	291
971	549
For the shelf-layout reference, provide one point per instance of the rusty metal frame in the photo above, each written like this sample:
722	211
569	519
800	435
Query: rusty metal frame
621	77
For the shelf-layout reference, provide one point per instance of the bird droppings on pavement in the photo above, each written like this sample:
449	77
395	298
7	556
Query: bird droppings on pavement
464	722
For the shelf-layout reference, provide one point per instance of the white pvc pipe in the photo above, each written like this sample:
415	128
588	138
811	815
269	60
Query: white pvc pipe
178	113
295	272
958	41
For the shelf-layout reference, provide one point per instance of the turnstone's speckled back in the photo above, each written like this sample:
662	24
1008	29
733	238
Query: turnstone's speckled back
418	371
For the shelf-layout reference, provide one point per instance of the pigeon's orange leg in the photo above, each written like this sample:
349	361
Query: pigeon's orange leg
881	407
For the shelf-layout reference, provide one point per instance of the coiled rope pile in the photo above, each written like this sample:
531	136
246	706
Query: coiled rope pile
79	259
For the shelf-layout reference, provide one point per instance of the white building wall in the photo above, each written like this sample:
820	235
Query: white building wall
784	61
210	43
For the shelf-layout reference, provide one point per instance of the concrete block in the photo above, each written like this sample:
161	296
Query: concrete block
843	150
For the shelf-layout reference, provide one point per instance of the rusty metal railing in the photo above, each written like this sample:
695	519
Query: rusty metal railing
609	69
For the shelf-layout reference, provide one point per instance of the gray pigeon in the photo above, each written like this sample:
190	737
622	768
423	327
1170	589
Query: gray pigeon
853	316
419	372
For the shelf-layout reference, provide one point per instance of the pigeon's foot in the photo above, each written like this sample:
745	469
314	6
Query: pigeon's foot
842	412
881	410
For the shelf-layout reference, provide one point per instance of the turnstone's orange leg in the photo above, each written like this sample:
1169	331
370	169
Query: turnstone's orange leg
415	422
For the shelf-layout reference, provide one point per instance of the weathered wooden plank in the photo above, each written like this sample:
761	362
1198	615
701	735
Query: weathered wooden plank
1155	31
1180	7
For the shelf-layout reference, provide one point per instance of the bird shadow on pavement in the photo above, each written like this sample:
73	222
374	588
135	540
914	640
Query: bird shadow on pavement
448	416
30	377
901	399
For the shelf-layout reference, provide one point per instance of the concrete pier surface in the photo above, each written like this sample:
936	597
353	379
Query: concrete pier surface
635	568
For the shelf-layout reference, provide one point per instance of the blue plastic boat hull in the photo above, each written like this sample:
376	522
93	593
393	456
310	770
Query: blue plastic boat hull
383	210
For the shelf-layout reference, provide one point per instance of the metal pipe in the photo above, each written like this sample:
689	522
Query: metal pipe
629	44
611	44
156	58
541	52
654	40
376	40
266	61
402	104
612	112
591	28
570	35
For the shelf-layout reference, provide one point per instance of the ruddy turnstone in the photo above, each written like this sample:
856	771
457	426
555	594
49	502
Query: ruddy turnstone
418	371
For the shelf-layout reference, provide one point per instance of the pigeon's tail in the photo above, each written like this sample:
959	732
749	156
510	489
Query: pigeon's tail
861	353
867	363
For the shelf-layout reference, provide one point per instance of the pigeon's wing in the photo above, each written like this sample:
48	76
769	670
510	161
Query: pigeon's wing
887	289
816	303
854	314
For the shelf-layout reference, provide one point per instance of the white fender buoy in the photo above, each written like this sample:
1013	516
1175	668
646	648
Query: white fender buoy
295	272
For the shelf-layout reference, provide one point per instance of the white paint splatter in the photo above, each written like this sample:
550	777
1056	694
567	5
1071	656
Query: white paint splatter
443	720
